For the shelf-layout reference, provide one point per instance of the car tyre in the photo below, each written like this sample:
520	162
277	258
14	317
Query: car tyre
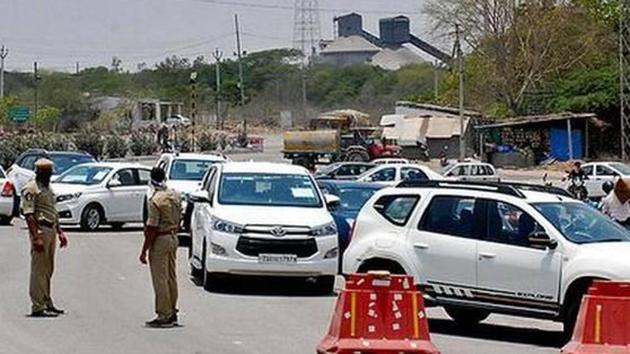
466	317
197	273
6	220
91	218
325	285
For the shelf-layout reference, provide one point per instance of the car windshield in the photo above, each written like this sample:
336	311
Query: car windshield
353	198
63	162
189	170
87	175
622	168
580	223
268	189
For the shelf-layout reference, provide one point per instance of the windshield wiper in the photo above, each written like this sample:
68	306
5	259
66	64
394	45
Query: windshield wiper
609	240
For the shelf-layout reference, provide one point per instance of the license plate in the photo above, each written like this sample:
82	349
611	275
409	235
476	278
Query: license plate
277	258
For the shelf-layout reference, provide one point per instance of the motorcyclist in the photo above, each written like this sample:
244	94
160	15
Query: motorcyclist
577	176
443	156
616	205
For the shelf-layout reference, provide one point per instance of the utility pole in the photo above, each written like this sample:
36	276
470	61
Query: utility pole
3	54
37	79
460	62
218	54
77	71
436	79
239	54
193	105
624	78
304	93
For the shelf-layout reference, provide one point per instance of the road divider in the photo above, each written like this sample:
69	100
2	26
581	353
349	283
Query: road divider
603	323
378	313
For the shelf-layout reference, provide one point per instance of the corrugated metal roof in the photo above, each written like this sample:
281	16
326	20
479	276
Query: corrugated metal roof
410	130
510	122
351	44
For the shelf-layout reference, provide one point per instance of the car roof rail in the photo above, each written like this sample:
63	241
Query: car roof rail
497	187
541	188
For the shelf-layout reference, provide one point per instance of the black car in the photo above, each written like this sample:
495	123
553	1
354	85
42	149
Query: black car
343	170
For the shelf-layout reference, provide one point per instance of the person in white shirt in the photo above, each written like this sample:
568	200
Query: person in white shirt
616	205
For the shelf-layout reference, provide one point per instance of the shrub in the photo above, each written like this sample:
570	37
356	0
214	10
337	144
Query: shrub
142	144
115	146
90	142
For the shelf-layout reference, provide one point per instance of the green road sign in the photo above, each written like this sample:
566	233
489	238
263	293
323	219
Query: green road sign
19	114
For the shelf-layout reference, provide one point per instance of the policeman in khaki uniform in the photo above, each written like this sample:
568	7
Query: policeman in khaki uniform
164	214
38	207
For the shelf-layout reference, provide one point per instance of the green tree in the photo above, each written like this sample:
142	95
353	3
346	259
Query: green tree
47	118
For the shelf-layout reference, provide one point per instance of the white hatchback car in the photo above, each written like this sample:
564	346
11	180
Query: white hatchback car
496	248
184	173
6	199
391	175
263	219
601	172
471	171
99	193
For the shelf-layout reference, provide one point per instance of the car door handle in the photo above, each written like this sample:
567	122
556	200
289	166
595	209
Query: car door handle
484	255
421	246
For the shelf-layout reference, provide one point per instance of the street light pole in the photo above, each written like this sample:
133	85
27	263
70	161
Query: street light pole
3	54
217	57
460	60
239	54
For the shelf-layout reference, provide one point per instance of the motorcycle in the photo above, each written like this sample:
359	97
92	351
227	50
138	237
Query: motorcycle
577	187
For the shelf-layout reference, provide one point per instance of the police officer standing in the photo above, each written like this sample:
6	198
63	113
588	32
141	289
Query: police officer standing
38	207
160	241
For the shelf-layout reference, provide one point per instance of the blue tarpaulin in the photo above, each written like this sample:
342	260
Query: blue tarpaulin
560	144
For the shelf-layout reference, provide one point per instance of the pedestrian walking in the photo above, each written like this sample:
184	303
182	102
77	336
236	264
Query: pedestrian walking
38	207
160	241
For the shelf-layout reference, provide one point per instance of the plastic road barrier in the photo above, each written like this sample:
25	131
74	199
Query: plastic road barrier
603	323
378	314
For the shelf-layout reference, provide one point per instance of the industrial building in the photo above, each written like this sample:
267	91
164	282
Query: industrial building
394	48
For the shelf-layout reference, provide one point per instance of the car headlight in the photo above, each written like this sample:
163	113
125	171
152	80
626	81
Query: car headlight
225	226
68	197
324	230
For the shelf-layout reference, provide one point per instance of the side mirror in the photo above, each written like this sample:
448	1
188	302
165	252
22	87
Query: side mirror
200	197
332	200
540	240
114	183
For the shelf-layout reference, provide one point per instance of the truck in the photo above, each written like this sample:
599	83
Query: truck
337	136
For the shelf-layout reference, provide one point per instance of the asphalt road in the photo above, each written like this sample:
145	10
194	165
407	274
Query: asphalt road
108	296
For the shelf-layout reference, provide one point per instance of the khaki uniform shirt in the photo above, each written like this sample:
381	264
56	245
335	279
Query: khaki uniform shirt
165	210
40	201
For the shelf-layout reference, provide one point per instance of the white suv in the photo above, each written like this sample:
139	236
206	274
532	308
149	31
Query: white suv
262	219
478	248
184	174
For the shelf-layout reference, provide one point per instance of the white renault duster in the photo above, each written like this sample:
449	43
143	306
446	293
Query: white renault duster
481	248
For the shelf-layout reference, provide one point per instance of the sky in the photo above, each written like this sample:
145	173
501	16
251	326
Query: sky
59	33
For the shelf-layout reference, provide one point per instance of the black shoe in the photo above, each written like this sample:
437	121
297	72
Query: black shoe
158	323
53	309
173	319
44	313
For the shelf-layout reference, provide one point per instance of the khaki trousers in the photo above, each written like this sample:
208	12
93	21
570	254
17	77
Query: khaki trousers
42	267
162	258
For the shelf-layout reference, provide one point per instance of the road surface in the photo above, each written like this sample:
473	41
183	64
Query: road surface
108	296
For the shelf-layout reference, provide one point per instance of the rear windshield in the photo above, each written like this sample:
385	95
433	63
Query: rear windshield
189	170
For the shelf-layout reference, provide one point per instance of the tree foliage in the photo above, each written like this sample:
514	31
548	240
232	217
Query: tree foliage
515	50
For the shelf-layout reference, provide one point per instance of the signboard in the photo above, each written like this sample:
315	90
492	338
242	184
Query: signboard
19	114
